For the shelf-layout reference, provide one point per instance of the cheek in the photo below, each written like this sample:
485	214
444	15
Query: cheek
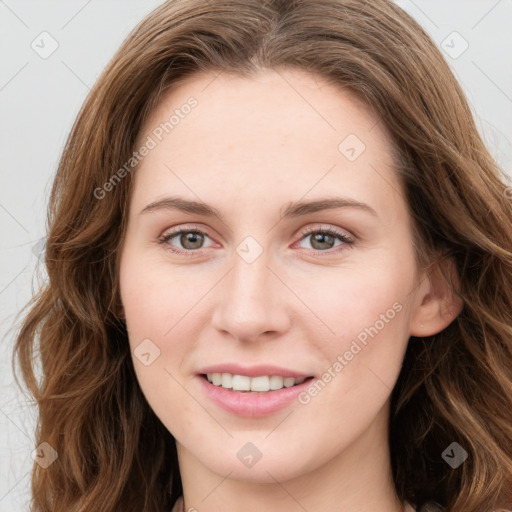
156	323
162	317
156	298
351	300
366	315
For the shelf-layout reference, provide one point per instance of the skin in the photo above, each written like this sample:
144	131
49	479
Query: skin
249	148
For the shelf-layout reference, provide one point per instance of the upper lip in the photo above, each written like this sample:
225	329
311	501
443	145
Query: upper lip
253	371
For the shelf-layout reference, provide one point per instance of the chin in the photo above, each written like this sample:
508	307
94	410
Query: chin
266	470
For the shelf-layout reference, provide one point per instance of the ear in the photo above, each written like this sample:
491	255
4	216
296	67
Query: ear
437	304
120	313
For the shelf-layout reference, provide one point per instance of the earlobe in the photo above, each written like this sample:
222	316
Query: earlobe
439	302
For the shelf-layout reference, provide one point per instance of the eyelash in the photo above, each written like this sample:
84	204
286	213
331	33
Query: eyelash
164	239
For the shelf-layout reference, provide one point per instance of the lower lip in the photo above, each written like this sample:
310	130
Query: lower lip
252	405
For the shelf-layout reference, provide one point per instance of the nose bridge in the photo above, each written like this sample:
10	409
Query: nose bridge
250	303
249	281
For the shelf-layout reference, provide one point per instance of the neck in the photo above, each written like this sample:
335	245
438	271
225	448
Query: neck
357	479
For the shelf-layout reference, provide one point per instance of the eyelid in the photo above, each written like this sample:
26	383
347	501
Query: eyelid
338	233
174	230
181	228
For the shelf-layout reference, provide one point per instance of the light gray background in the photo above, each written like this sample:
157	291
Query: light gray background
40	97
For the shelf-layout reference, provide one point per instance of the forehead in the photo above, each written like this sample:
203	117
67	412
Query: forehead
266	103
279	133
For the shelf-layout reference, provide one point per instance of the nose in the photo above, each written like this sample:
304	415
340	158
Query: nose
252	301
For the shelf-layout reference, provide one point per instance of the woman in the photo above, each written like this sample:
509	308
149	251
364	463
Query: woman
201	347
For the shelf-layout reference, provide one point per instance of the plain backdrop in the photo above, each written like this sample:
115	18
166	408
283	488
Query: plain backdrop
51	54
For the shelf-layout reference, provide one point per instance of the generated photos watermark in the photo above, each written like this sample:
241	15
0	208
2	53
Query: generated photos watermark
357	345
151	142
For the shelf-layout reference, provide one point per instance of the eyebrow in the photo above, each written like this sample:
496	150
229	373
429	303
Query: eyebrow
292	210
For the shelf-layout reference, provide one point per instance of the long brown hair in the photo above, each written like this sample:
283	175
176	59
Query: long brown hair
113	452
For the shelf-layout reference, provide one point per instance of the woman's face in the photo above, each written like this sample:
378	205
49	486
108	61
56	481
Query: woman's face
275	284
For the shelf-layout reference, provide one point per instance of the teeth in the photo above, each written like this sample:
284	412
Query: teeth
245	383
276	382
288	382
227	380
260	384
240	382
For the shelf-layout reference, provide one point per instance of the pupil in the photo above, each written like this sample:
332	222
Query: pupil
193	238
320	238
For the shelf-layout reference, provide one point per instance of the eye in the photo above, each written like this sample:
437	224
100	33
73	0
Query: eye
190	239
322	240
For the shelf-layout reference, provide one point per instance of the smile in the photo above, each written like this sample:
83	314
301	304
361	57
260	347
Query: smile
248	402
260	384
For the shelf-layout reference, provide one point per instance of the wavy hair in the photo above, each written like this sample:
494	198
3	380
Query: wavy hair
456	386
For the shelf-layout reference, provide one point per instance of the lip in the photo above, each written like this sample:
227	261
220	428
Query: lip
253	371
251	405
